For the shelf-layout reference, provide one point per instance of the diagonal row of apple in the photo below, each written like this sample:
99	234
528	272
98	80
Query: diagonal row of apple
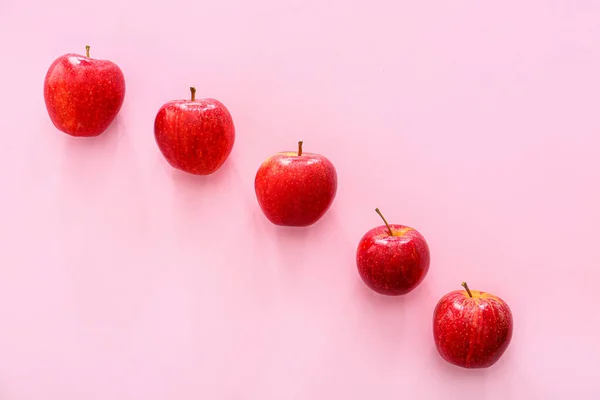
83	95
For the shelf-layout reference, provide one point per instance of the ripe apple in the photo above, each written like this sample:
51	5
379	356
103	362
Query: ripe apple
83	95
295	188
392	259
195	136
472	329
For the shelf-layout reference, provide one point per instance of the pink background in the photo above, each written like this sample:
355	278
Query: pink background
475	122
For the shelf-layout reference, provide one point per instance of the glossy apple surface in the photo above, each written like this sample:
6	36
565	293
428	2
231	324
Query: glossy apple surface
295	188
472	329
392	259
195	135
83	95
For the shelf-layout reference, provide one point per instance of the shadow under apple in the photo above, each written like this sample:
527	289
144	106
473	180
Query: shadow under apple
87	161
297	244
202	185
197	198
382	321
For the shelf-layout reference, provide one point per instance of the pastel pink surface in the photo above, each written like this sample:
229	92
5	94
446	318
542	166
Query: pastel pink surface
474	122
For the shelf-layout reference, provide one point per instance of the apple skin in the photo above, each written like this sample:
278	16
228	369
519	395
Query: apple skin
83	95
196	135
472	332
395	264
295	189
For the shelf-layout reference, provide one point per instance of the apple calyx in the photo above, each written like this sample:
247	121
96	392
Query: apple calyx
299	148
193	91
384	220
464	284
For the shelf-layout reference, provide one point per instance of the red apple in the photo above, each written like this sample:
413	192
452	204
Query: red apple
295	188
196	135
472	329
83	95
392	259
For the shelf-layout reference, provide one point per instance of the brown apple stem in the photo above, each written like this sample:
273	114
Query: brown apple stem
464	284
299	148
193	90
386	223
87	51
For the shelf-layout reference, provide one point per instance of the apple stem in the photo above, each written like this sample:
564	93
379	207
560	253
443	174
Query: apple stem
299	148
87	51
464	284
386	223
193	90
